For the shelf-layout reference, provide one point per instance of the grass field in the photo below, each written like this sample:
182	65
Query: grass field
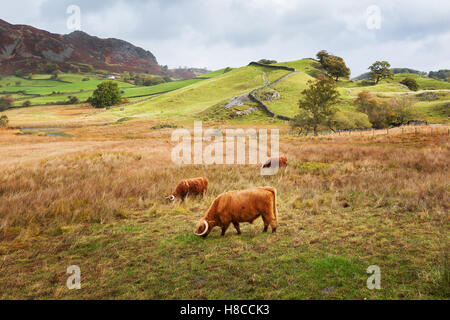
96	200
41	90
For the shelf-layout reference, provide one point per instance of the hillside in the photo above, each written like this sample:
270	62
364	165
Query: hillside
207	100
31	50
223	95
188	102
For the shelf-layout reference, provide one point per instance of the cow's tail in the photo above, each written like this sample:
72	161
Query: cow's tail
274	193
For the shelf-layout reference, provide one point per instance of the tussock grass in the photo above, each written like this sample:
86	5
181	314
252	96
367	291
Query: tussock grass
344	203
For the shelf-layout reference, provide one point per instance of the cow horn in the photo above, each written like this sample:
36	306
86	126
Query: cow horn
204	232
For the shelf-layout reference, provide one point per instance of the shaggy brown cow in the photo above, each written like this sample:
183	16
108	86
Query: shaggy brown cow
187	187
240	206
282	162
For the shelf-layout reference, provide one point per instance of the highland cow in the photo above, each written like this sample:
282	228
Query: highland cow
282	162
196	186
240	206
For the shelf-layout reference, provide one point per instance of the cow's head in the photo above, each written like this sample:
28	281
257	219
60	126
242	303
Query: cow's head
203	228
171	198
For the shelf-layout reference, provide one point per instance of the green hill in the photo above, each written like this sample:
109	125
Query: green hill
206	96
192	100
206	99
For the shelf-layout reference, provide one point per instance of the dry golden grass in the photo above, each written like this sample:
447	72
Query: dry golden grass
53	116
344	203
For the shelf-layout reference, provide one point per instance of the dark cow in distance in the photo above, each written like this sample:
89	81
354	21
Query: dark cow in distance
282	162
196	186
240	206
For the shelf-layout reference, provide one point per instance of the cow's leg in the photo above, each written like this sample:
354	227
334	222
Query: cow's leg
237	227
266	223
273	225
224	229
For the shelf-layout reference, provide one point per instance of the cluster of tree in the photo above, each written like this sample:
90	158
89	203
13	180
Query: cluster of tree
267	61
395	112
4	121
6	102
107	94
318	110
440	75
144	79
334	66
48	68
408	70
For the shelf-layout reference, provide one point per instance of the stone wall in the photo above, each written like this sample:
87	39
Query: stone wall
270	66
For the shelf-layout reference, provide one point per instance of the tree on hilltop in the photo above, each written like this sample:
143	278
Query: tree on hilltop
334	66
380	70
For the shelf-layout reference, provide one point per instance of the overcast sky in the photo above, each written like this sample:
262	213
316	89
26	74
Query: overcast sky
220	33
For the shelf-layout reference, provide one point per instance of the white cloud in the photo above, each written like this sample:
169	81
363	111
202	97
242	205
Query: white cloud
218	33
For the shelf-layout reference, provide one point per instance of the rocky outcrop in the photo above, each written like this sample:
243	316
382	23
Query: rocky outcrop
32	50
252	96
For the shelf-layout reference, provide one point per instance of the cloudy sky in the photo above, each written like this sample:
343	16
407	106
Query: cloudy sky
220	33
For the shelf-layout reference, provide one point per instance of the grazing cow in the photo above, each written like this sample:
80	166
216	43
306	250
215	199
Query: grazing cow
282	162
187	187
240	206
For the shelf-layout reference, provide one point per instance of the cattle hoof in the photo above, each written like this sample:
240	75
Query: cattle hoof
274	231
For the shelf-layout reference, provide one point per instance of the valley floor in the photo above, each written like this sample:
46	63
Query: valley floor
95	198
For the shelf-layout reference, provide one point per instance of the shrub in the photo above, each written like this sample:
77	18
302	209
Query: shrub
26	103
411	83
19	73
402	110
267	61
73	100
85	79
153	80
164	126
6	102
350	120
4	121
54	75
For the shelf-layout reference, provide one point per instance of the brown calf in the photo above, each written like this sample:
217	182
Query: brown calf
240	206
196	186
282	162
